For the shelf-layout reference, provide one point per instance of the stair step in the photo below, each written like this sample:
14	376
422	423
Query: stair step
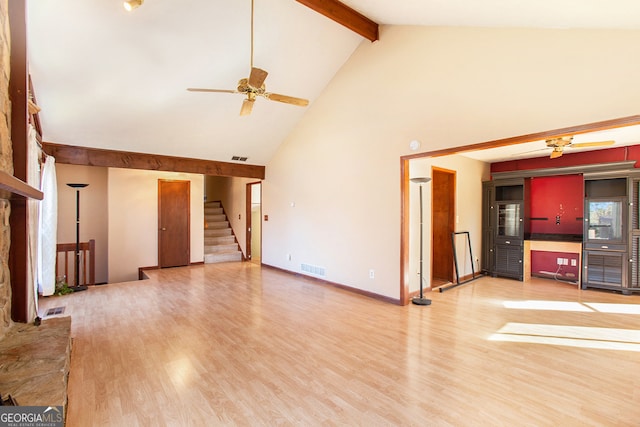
212	205
217	224
216	249
215	217
223	240
213	211
222	257
217	232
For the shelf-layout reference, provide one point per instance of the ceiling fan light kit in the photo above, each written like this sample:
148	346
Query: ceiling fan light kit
130	5
253	86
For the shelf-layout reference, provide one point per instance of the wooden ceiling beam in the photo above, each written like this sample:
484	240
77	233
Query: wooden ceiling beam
74	155
346	16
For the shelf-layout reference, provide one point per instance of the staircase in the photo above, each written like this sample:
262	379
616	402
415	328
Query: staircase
219	241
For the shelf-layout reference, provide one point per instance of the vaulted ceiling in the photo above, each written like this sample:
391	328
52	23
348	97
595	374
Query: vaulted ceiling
107	78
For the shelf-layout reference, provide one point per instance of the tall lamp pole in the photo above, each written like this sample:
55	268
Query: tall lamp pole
76	283
421	300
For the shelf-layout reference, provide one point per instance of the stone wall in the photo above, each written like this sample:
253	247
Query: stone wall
6	165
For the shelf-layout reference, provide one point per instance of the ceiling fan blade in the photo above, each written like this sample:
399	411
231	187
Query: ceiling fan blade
529	152
287	99
247	106
557	152
257	77
193	89
592	144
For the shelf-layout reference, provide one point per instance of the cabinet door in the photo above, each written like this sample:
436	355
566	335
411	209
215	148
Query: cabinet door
604	269
634	256
509	221
488	226
508	260
487	251
606	223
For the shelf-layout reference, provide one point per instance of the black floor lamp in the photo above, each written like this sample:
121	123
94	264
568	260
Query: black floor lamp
421	300
77	287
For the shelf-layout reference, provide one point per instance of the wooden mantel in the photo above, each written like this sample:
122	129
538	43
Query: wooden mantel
16	186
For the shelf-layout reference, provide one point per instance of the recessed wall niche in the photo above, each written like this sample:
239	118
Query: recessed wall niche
557	206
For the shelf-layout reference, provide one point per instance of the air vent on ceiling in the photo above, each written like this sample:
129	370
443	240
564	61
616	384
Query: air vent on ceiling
239	158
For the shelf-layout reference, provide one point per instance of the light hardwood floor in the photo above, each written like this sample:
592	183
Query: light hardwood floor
237	344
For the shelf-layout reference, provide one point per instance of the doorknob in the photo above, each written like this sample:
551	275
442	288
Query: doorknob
163	229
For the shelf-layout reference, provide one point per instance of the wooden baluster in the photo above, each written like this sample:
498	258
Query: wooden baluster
84	265
66	266
92	262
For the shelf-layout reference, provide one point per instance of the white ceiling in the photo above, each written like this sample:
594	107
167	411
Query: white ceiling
107	78
629	135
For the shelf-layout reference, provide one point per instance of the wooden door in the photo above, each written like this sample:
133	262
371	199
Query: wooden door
173	223
442	225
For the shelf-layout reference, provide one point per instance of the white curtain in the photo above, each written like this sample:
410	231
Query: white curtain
33	206
48	230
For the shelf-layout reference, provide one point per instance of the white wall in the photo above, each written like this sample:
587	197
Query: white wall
93	211
447	87
133	220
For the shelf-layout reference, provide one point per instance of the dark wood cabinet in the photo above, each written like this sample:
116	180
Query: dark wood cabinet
504	205
611	234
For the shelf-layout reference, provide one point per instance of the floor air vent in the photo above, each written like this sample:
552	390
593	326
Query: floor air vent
312	269
54	311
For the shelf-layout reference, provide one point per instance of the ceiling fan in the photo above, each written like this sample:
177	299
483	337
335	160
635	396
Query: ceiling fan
253	86
560	143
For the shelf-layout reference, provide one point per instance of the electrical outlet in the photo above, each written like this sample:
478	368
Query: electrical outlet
372	274
565	261
288	257
559	261
574	262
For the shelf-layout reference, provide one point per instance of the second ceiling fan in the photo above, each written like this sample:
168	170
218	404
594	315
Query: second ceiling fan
253	86
559	144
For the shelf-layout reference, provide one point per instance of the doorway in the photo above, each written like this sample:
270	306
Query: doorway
442	225
173	223
254	222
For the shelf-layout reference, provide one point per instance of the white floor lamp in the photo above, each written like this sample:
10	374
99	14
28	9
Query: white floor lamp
421	300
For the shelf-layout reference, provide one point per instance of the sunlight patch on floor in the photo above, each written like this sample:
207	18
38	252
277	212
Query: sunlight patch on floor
614	308
573	306
546	305
570	336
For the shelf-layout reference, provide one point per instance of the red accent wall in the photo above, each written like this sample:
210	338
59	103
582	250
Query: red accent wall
557	196
544	264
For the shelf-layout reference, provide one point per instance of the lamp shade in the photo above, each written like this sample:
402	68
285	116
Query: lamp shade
421	180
